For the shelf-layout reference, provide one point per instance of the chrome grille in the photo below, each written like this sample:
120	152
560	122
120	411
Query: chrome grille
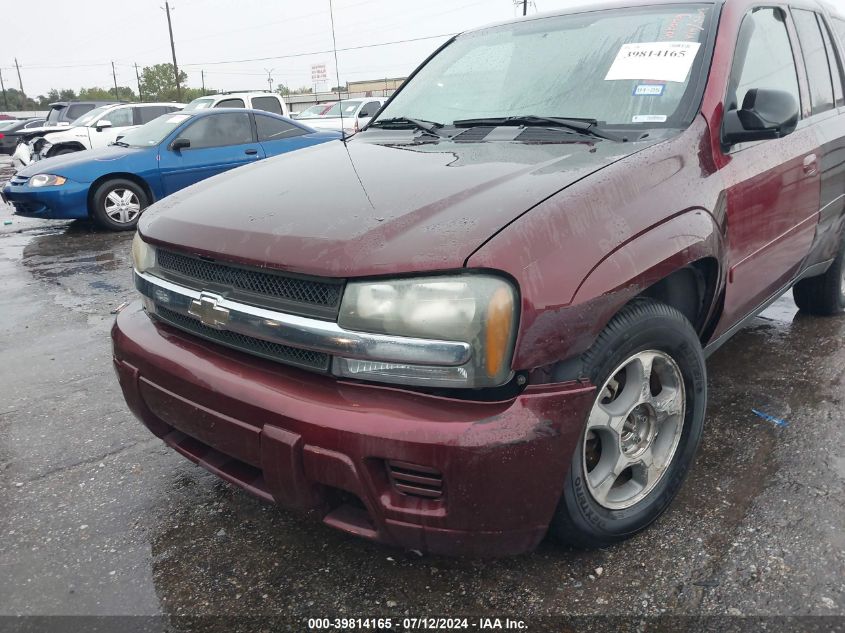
255	346
297	294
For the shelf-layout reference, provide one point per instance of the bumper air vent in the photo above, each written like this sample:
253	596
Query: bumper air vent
415	480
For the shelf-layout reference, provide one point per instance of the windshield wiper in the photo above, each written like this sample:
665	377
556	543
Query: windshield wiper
582	126
406	123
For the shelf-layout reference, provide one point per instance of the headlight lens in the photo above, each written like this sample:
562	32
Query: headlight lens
143	255
477	309
46	180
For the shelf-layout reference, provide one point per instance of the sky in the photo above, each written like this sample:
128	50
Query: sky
73	44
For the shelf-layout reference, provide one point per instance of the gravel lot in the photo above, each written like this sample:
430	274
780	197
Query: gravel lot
98	518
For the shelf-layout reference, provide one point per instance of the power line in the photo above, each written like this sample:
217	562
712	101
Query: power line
323	52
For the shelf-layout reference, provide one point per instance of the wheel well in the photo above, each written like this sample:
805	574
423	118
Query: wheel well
68	145
118	176
690	290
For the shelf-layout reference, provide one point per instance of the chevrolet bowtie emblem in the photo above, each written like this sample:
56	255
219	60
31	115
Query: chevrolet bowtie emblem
207	310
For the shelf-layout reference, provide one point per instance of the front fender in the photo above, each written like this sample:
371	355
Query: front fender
565	330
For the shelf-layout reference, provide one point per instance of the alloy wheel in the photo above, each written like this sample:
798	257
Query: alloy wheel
634	429
122	205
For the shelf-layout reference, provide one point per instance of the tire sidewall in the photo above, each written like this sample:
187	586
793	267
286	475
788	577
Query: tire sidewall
98	203
660	334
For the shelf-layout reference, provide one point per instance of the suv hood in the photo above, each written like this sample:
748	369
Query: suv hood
369	208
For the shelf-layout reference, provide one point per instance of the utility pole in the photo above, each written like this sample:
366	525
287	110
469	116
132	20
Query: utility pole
270	78
20	81
524	7
114	76
202	74
138	77
173	50
3	86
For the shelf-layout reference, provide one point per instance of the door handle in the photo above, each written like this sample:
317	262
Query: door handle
811	164
251	152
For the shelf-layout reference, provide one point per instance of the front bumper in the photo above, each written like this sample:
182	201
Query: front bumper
67	202
350	453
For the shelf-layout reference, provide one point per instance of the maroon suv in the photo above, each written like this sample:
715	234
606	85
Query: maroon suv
485	317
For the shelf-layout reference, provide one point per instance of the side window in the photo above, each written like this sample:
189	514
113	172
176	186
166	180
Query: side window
270	129
268	104
145	114
369	109
120	117
77	110
815	59
230	103
763	57
228	128
839	27
835	64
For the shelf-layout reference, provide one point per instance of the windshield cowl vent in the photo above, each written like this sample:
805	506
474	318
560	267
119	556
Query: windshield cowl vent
474	134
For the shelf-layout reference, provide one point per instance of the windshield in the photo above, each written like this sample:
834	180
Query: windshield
314	111
348	108
199	104
630	67
90	116
4	125
155	131
53	115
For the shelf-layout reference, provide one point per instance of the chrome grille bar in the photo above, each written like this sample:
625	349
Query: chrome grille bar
297	331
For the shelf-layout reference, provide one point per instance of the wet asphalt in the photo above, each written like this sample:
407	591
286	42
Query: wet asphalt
97	517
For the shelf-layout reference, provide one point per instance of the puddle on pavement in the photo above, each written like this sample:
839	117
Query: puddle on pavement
92	267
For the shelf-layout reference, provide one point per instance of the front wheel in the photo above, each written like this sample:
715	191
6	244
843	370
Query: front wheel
117	204
643	430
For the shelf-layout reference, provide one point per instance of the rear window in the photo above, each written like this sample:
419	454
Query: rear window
268	104
77	110
815	60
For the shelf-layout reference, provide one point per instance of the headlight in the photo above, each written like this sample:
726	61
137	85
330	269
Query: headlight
477	309
143	255
46	180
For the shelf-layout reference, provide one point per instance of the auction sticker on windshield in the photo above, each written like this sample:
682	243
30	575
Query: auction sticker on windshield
657	61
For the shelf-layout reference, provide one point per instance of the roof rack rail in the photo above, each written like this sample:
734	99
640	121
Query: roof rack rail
231	92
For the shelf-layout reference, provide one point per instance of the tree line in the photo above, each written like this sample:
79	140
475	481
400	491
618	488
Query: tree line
158	83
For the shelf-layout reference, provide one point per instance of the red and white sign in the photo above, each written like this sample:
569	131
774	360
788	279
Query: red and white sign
318	73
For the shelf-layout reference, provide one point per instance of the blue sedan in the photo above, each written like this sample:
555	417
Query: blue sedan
114	184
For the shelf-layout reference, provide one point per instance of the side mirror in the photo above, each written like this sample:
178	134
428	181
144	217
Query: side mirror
120	136
180	144
765	114
102	124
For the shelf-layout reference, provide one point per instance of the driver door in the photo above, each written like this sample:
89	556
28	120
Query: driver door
773	186
219	141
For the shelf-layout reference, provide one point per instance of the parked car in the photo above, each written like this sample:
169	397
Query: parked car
356	114
97	128
314	111
60	116
113	185
256	99
10	133
486	316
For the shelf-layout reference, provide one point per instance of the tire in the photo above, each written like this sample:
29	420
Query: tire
823	295
117	204
610	493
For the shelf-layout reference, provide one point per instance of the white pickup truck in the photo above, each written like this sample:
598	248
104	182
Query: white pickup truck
356	114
